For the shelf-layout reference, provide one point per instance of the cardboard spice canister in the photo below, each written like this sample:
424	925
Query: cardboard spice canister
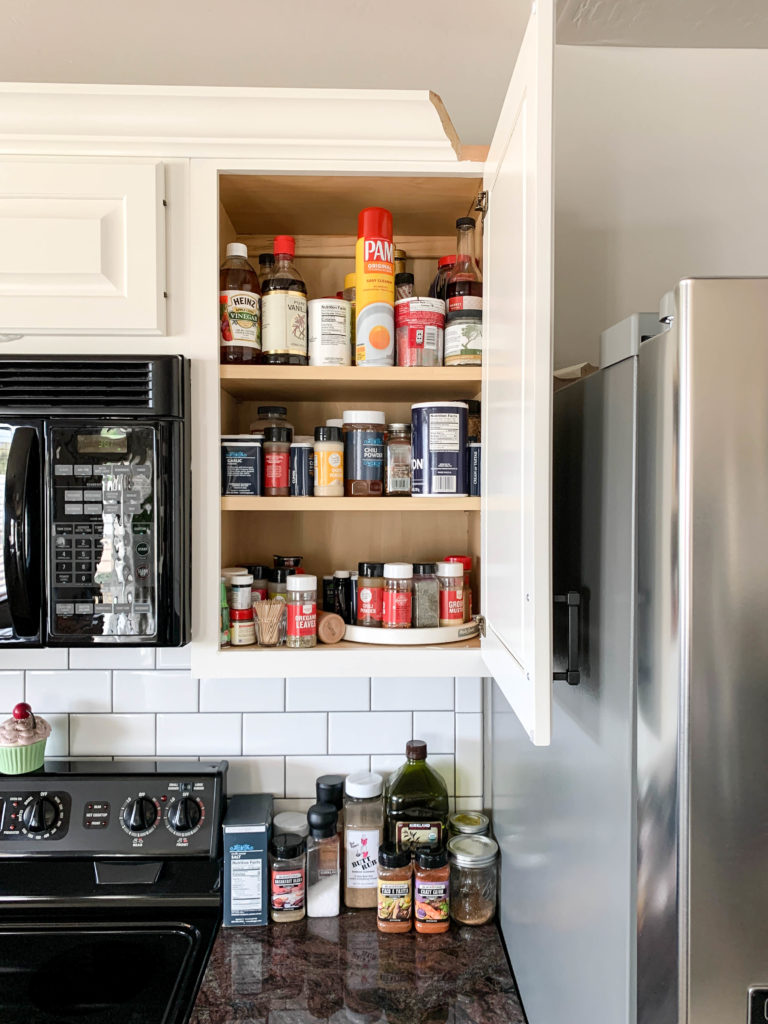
439	449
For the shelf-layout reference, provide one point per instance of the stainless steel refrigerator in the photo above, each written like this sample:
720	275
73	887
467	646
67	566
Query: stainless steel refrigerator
635	848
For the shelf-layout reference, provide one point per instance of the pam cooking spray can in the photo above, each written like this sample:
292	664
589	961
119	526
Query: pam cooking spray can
375	288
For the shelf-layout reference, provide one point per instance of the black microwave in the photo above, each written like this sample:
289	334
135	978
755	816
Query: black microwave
94	501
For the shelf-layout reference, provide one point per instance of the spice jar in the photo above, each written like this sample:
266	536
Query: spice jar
426	596
363	831
228	573
271	416
466	562
322	862
450	576
301	628
292	562
370	593
329	462
473	878
474	409
468	823
260	575
398	474
240	591
287	877
364	438
350	296
223	615
302	468
276	583
395	889
242	632
277	462
329	789
398	594
431	891
403	286
354	576
341	602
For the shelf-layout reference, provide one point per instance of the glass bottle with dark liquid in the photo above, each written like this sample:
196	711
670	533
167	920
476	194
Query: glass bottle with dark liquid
239	309
284	310
464	302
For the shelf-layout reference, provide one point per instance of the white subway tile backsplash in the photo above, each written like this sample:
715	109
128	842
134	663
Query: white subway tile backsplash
285	733
201	735
368	732
385	764
112	735
70	691
154	691
302	806
11	691
411	694
437	729
51	657
327	694
112	657
58	741
242	694
469	755
302	772
469	694
469	803
256	775
173	657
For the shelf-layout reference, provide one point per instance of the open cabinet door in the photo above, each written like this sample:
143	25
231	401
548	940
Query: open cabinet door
517	386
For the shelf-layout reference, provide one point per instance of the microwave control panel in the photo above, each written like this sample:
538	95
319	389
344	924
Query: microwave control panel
102	498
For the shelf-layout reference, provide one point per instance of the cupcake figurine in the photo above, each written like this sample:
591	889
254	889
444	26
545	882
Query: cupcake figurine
22	741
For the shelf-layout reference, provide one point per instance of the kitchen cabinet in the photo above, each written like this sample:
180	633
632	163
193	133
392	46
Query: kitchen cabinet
83	246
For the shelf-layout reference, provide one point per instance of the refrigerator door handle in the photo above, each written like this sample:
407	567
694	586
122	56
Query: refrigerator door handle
22	532
572	600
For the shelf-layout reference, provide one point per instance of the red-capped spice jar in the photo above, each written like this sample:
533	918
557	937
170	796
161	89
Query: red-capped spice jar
466	562
450	577
370	593
242	629
277	461
398	595
301	601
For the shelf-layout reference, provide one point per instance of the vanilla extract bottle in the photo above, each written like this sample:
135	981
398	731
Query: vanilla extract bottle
284	310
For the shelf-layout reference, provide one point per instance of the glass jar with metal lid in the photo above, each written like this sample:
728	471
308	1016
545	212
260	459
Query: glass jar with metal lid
474	873
468	823
398	473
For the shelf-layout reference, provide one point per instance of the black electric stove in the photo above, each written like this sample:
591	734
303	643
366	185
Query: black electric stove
110	894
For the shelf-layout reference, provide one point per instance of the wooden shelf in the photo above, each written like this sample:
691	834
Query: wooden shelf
351	383
237	504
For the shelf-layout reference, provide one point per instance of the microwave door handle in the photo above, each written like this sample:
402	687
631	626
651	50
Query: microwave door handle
22	534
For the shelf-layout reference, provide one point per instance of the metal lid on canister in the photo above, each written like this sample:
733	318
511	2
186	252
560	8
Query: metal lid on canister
469	823
473	851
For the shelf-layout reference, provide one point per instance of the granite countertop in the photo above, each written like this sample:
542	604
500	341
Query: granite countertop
343	969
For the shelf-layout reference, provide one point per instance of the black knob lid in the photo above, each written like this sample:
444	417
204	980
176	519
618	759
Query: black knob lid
140	814
40	815
184	815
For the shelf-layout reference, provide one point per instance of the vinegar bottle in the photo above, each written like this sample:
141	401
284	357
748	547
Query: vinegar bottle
464	302
239	308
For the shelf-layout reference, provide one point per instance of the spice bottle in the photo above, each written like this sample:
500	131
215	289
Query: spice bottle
270	416
302	468
341	602
301	598
284	310
224	615
242	630
363	833
370	593
329	789
464	302
292	562
426	596
398	474
416	802
240	591
403	286
466	562
276	587
260	575
350	296
364	439
398	595
400	258
473	878
354	576
239	308
322	862
277	462
266	266
474	419
431	891
329	462
329	603
450	576
287	877
395	889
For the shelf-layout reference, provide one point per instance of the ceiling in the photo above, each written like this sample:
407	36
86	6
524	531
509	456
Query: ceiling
462	51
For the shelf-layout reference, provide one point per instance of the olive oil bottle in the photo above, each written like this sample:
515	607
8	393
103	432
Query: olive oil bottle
416	803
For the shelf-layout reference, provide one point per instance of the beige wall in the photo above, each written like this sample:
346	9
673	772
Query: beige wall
661	172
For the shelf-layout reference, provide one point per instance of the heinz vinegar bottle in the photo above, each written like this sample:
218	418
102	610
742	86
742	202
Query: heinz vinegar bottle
239	308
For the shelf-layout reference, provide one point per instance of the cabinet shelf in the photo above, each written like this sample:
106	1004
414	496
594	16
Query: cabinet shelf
351	383
238	504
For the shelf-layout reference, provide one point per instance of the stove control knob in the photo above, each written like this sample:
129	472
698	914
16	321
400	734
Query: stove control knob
185	816
139	816
39	815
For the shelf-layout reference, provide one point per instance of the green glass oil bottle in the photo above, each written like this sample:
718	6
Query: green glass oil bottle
417	802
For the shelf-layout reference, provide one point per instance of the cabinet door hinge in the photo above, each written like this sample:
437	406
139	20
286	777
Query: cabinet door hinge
480	620
481	204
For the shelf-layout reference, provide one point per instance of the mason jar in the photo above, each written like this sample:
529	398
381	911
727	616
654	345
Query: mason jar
474	874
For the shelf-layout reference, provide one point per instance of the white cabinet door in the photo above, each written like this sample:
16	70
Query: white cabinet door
82	247
517	386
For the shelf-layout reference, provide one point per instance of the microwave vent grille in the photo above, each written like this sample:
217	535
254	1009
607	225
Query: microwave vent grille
71	384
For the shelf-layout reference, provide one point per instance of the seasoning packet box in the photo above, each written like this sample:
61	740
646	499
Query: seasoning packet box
247	827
